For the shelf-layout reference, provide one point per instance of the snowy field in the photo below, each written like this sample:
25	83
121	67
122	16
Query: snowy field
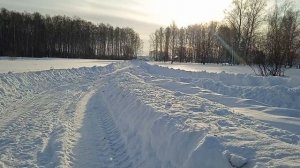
218	68
17	64
135	114
213	68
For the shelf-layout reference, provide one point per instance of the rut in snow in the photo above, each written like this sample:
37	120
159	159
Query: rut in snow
100	143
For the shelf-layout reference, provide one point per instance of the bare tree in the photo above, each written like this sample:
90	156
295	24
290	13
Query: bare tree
167	43
224	38
245	18
182	45
235	17
173	42
281	39
161	43
290	27
253	21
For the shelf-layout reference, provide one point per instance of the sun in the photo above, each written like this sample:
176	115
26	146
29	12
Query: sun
186	12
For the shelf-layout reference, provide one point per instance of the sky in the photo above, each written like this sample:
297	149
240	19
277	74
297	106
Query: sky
144	16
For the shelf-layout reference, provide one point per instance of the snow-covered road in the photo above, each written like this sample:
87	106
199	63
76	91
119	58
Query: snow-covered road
132	114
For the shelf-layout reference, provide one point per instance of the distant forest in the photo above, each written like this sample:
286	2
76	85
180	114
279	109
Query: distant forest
35	35
268	40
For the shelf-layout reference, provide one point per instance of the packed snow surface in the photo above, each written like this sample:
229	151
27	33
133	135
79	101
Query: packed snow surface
133	114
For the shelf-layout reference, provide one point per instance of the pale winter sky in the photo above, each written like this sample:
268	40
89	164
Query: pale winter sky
144	16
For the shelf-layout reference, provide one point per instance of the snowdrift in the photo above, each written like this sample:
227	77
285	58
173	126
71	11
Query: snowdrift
273	91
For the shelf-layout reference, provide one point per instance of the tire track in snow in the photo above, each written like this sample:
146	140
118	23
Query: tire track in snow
118	149
100	143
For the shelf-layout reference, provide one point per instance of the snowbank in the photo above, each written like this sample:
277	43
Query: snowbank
15	86
273	91
156	138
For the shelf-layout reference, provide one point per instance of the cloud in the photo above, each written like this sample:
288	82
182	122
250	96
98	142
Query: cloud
114	9
143	28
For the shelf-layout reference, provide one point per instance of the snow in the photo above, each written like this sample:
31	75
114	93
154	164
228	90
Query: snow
213	68
235	160
19	64
135	114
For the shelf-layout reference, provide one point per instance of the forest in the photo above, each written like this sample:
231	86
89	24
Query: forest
265	38
35	35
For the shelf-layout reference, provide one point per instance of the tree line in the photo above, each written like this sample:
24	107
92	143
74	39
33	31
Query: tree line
35	35
268	40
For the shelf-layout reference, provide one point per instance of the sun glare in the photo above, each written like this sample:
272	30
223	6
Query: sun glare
185	12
